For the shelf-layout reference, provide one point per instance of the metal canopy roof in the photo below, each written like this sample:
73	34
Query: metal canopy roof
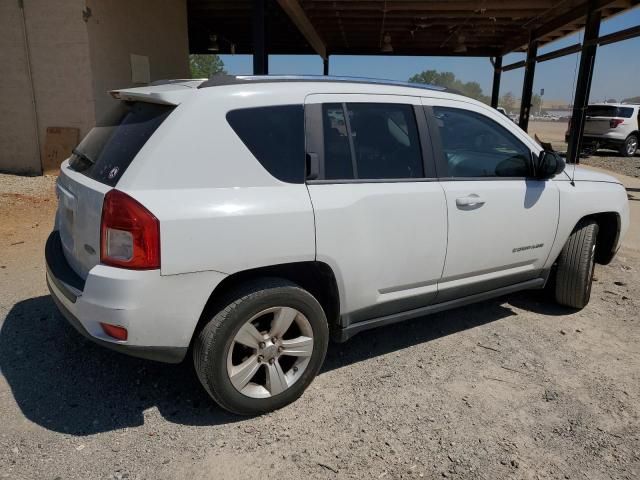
359	27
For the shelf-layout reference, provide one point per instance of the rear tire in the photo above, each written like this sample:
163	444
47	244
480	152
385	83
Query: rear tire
575	267
630	146
247	361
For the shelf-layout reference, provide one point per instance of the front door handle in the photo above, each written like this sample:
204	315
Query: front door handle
472	200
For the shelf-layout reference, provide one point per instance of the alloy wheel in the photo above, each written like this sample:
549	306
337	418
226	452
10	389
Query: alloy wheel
270	352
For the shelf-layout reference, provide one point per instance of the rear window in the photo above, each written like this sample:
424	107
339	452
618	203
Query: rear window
275	136
110	147
609	111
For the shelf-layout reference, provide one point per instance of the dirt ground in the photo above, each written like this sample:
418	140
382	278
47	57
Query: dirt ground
511	388
549	132
553	132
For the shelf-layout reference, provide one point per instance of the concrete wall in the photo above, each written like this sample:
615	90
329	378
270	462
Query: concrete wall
58	46
153	28
79	50
18	151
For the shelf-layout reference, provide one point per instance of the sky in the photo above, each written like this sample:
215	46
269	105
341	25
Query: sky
616	75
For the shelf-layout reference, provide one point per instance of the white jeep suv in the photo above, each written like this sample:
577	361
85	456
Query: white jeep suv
611	125
247	219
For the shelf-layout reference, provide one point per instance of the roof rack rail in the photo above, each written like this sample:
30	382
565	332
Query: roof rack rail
155	83
223	79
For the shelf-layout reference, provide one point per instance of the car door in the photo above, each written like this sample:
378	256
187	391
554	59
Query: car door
380	213
502	220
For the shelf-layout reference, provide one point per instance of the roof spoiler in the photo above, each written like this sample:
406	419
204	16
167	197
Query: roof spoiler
165	92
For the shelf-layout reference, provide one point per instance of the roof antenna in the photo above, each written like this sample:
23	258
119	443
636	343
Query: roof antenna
573	99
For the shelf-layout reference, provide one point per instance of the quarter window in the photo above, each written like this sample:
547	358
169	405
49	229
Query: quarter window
275	136
476	146
371	141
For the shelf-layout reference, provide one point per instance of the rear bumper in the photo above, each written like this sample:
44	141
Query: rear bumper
159	312
160	354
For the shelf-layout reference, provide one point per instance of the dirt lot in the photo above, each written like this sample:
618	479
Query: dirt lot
510	388
553	132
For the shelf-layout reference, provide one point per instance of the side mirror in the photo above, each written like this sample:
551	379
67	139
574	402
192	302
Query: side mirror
549	164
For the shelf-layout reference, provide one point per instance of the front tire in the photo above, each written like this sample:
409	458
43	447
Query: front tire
576	264
261	351
630	146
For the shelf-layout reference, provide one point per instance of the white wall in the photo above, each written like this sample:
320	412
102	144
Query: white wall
58	46
118	28
79	50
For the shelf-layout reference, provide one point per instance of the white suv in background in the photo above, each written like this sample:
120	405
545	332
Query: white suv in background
612	125
248	218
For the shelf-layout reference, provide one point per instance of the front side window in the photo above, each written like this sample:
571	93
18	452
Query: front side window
371	141
476	146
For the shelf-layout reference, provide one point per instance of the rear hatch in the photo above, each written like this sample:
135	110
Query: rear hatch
94	168
599	118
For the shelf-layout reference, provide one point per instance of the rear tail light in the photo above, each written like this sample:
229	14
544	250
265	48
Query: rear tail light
129	234
114	331
614	122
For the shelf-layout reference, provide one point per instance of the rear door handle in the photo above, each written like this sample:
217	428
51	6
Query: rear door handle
472	200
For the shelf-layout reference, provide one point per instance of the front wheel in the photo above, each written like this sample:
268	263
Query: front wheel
576	264
262	350
629	147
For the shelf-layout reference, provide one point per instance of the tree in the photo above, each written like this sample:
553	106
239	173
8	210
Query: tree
536	103
204	66
508	102
448	80
632	100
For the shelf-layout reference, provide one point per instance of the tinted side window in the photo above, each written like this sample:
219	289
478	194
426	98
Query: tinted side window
338	164
384	142
275	136
609	111
110	147
476	146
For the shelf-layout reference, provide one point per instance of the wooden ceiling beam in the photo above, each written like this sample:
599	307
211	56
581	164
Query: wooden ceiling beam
299	18
346	5
574	16
422	16
500	27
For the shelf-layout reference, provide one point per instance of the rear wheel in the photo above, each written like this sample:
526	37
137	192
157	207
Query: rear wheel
576	264
630	146
262	350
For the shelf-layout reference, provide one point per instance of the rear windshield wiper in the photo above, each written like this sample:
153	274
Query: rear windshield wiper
83	156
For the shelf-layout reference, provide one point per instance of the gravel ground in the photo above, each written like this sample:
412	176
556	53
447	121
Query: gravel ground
41	187
629	166
553	132
511	388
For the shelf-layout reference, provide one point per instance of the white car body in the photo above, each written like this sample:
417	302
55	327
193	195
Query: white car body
395	249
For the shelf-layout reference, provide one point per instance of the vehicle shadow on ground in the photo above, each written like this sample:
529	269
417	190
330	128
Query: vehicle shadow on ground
63	382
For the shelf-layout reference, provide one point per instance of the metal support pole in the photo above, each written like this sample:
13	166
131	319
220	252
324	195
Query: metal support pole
497	72
325	66
583	84
260	55
527	85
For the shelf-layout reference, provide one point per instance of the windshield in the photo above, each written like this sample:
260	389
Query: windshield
110	147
